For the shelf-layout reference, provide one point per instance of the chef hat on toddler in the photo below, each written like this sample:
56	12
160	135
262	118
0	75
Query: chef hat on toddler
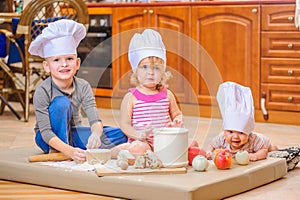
236	106
144	45
61	37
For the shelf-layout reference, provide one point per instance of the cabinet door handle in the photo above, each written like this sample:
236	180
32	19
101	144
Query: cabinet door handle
151	11
263	106
290	98
145	11
290	45
291	18
254	10
290	72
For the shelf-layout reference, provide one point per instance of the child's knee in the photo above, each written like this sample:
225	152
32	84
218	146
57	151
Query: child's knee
61	106
60	103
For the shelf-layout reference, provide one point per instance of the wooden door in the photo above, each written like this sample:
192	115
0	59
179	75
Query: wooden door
173	22
126	22
230	37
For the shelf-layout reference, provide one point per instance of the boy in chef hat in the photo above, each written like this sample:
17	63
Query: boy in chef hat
149	105
237	110
59	98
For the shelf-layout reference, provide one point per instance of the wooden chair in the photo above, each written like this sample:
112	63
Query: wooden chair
23	78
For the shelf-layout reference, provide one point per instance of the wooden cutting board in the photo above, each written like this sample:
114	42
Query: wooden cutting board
105	171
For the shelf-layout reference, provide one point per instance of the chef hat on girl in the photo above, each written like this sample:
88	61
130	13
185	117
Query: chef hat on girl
61	37
141	46
236	106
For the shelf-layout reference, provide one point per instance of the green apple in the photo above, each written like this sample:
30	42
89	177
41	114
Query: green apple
200	163
242	157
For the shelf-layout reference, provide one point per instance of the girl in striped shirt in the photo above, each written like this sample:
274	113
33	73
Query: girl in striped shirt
150	104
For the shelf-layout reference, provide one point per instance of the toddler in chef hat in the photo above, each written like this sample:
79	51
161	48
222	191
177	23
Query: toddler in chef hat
149	46
149	105
58	99
237	110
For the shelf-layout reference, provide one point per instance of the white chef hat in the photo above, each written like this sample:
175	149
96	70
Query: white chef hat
236	106
141	46
61	37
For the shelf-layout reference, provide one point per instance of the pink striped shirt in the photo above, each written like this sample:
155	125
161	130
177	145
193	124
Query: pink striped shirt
150	109
256	142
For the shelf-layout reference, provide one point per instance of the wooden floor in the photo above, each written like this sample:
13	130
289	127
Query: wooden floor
14	190
15	133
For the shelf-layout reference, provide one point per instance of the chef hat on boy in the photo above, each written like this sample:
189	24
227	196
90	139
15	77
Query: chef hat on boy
141	46
61	37
236	106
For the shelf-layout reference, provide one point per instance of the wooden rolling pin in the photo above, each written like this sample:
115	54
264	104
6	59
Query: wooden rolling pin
48	157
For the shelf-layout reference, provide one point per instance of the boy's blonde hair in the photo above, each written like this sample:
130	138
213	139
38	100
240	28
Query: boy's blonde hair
165	76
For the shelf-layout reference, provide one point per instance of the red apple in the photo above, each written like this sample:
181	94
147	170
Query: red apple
223	159
193	152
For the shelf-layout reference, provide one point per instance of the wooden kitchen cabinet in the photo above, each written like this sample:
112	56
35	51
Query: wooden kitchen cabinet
285	44
280	63
278	17
172	22
230	34
256	45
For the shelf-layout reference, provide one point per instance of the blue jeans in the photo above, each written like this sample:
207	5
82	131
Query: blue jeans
60	113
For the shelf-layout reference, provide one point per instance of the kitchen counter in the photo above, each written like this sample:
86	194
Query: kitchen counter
171	2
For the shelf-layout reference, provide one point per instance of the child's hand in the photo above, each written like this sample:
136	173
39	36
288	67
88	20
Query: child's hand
253	157
94	141
259	155
78	155
175	123
148	132
209	155
142	136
